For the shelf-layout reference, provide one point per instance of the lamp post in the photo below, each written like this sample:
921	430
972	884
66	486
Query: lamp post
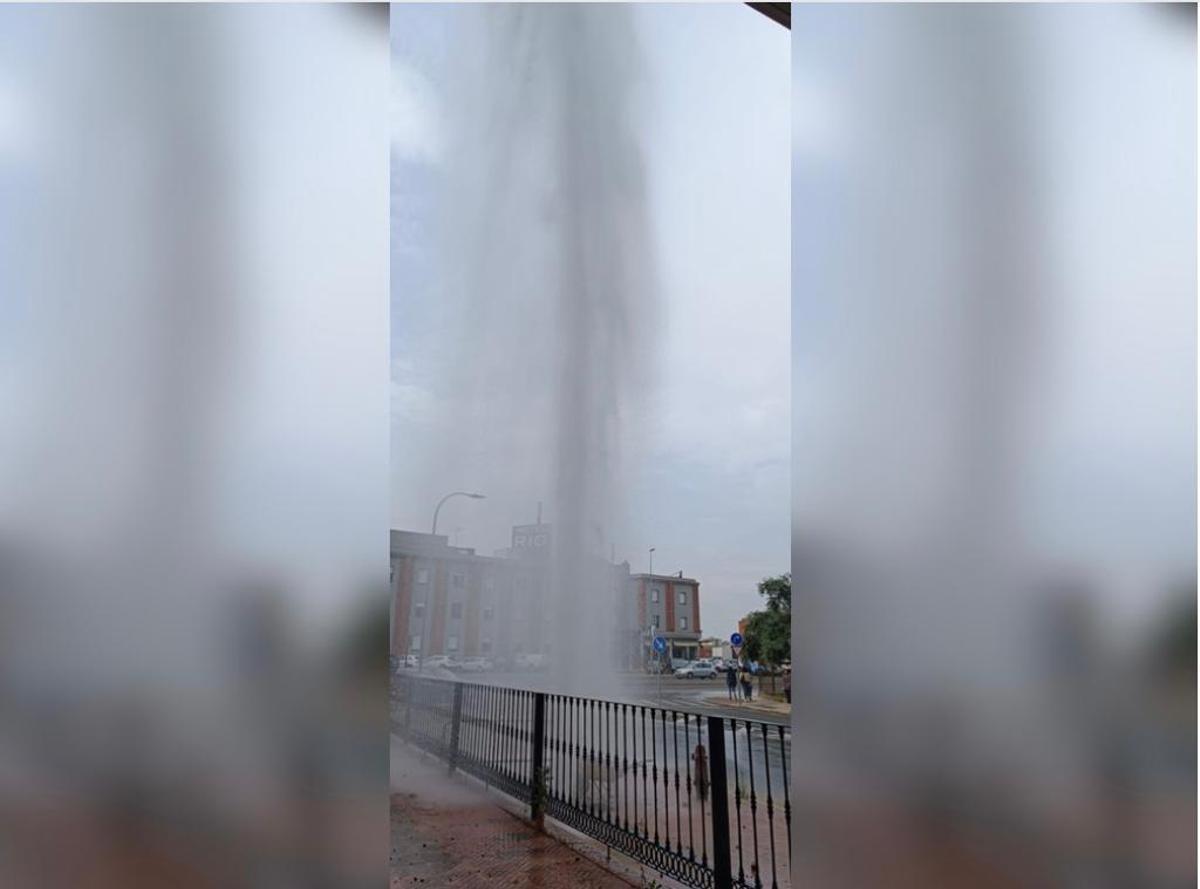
651	587
651	628
426	605
438	509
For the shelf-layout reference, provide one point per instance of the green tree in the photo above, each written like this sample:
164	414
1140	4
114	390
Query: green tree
777	591
769	632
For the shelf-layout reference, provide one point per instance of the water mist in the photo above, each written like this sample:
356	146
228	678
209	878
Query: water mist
548	287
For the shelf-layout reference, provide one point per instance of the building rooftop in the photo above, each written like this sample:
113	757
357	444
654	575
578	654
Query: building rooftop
677	578
429	544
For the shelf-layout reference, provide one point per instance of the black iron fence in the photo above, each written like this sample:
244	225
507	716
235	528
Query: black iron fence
701	799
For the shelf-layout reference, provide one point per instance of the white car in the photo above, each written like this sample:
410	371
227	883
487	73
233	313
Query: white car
696	670
477	665
412	660
442	660
530	661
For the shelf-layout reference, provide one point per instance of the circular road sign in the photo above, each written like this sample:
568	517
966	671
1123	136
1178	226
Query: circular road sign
735	639
660	644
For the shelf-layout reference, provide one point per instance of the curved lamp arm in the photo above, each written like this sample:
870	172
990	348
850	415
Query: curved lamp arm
470	494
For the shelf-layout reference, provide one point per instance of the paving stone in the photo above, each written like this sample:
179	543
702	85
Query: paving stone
444	834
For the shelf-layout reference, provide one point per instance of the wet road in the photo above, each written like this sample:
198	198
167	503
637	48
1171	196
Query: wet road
685	695
749	748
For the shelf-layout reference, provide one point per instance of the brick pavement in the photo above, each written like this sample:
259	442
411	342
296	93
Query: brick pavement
445	833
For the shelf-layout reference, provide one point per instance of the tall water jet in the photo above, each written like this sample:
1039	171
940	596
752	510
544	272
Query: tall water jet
546	264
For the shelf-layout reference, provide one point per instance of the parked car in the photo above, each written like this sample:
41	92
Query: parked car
696	670
442	660
412	660
527	661
719	664
477	665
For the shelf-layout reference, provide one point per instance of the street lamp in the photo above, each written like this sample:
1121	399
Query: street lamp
650	626
427	603
473	496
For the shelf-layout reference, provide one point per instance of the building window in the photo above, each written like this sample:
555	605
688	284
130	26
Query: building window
414	644
683	623
452	643
654	594
487	614
486	646
683	597
422	575
654	621
456	610
457	580
419	609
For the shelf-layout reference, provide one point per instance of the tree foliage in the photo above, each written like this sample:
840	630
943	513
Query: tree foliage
768	635
777	591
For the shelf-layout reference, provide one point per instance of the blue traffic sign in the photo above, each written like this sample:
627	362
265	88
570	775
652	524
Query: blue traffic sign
660	644
735	639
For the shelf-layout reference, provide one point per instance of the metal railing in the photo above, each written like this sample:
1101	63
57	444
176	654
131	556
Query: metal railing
701	799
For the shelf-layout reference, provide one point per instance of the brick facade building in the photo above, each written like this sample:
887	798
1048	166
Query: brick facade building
668	606
451	600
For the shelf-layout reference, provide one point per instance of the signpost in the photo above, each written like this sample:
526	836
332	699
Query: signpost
660	646
735	642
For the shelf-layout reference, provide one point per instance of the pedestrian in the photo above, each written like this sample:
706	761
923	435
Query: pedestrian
746	687
731	682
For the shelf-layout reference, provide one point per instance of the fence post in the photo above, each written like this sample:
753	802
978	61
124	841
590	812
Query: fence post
455	722
538	783
719	794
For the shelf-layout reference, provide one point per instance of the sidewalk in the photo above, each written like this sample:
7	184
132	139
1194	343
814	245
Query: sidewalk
758	705
446	833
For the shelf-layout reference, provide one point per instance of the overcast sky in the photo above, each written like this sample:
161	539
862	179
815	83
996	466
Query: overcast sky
712	495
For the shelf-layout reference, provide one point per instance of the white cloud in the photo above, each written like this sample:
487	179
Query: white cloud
16	122
412	403
416	124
